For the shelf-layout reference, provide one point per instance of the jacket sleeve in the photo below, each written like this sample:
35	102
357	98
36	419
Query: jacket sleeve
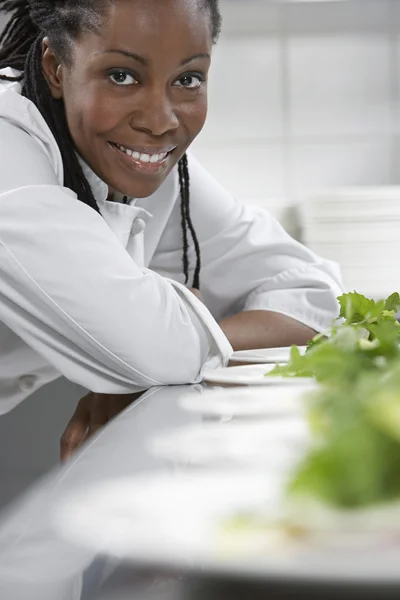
249	262
71	291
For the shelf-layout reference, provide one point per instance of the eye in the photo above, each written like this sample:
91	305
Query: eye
121	77
191	81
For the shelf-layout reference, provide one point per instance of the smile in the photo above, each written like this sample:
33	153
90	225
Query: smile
141	160
143	157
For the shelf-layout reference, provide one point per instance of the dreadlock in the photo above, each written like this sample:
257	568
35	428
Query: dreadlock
62	21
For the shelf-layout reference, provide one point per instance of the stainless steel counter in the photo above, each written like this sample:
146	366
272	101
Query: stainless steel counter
36	562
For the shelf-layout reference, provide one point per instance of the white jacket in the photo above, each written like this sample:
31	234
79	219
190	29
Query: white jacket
101	300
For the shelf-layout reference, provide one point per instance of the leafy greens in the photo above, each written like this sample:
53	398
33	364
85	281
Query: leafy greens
354	458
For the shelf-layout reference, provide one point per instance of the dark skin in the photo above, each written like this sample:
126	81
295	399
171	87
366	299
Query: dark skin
93	411
152	103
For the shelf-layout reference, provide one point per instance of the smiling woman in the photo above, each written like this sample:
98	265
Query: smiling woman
97	84
99	201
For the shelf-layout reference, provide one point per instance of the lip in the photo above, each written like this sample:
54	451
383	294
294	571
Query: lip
147	149
132	165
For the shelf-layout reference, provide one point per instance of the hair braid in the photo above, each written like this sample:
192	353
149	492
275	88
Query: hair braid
53	111
21	49
18	35
185	258
187	223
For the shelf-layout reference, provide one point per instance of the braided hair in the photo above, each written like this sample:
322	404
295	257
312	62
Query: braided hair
62	21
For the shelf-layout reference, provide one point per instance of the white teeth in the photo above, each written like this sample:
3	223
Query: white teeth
145	158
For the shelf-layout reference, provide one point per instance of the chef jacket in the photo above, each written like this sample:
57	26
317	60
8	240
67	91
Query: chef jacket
100	298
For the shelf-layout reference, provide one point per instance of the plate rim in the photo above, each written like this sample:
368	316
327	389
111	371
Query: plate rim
212	376
257	360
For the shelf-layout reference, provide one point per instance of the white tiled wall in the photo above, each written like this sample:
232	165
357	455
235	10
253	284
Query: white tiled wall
304	96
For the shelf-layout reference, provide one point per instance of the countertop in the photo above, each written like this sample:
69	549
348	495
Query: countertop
37	563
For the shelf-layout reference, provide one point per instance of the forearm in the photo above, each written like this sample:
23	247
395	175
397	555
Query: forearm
264	329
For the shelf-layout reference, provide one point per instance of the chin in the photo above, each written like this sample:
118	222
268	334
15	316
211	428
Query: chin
142	188
140	191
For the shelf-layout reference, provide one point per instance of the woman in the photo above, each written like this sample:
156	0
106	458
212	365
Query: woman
99	102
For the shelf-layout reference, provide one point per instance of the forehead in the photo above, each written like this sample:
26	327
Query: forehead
155	27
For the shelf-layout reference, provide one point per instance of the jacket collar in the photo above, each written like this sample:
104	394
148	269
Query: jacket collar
99	188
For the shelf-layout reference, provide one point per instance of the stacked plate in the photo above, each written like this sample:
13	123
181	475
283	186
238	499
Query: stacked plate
360	229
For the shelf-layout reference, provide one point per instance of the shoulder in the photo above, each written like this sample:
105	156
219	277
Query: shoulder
26	142
212	206
201	179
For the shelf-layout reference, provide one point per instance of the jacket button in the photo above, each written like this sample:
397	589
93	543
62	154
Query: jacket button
138	226
27	382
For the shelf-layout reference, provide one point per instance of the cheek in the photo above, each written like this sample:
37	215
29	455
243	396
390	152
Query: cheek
93	114
104	116
195	116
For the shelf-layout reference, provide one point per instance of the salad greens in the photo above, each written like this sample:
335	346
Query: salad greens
354	458
366	336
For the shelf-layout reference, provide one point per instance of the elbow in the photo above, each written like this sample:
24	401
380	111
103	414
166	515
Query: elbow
180	363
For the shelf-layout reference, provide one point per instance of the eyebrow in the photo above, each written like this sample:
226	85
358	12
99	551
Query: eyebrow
145	62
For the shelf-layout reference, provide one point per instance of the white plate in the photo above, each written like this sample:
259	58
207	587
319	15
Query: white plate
181	520
275	401
159	517
251	375
274	443
264	355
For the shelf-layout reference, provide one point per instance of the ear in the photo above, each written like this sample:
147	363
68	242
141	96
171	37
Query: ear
52	70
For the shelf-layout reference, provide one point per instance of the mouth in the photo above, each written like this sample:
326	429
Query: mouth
145	160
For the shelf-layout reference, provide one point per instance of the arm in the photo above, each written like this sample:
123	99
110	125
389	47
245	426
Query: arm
72	292
264	288
264	329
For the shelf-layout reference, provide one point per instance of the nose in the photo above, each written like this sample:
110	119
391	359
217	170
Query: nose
155	113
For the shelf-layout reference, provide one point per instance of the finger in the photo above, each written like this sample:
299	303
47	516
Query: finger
98	413
76	430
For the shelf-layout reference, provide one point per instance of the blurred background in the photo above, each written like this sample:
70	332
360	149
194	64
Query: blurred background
304	96
303	120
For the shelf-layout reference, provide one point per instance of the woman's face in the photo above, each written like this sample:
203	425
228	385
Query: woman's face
135	93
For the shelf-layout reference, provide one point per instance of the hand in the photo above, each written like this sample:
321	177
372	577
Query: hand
91	414
197	293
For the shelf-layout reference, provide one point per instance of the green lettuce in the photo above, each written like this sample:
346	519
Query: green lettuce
354	456
366	336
